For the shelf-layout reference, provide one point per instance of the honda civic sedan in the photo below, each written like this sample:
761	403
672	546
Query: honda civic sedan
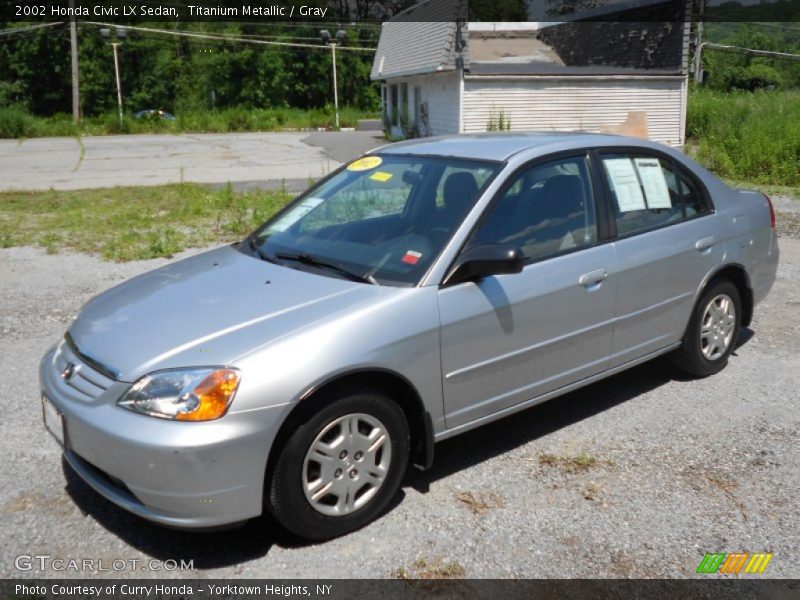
418	292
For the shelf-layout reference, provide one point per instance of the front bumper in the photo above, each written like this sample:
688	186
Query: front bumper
185	475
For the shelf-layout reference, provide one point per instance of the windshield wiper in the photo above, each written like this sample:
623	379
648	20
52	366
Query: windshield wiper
307	259
254	247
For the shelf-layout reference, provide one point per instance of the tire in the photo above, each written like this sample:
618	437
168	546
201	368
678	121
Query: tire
319	498
711	335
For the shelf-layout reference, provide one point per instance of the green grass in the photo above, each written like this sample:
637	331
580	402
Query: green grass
133	223
769	190
747	136
16	123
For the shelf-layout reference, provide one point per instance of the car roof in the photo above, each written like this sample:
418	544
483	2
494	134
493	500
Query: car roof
501	146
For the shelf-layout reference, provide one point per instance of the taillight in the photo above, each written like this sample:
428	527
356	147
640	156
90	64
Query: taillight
771	212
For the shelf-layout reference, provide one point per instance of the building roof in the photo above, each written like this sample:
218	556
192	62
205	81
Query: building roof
420	39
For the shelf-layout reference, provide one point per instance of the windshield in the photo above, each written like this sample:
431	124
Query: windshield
382	219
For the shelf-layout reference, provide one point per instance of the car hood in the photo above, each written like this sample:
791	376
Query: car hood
206	310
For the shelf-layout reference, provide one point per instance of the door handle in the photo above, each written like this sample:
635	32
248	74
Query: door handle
592	278
704	244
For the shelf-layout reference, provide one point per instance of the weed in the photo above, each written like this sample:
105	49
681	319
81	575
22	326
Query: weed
50	242
401	573
480	503
573	464
431	569
591	491
498	121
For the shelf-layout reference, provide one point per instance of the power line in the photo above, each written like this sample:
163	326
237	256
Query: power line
15	30
227	38
741	24
277	37
735	27
217	43
784	55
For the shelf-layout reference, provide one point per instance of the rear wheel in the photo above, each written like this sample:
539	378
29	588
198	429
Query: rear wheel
341	466
712	332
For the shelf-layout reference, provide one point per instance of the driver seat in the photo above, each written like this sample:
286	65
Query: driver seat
459	193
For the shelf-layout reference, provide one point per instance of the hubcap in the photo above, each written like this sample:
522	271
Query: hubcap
346	464
719	323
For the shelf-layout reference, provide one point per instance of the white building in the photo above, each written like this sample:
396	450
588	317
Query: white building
444	76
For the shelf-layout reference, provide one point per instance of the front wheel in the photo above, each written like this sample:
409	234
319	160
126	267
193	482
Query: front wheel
341	466
712	332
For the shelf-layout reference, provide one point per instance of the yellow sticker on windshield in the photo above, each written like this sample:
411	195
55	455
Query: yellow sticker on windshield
381	176
365	163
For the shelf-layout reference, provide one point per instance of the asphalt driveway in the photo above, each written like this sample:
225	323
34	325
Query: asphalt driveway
271	159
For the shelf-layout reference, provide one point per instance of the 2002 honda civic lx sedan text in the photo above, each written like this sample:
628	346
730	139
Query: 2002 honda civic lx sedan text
420	291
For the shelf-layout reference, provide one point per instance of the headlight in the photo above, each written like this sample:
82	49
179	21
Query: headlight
200	394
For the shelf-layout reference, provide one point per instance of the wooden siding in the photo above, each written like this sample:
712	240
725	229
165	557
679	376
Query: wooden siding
572	104
441	92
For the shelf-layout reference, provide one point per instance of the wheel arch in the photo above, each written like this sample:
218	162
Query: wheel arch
391	383
736	274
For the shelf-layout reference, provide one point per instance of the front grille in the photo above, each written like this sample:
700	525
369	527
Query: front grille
81	378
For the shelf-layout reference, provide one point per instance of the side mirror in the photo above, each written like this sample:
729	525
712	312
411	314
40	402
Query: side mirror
483	261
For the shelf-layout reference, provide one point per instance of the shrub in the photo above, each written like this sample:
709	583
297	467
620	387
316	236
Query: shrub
113	125
15	123
57	125
752	136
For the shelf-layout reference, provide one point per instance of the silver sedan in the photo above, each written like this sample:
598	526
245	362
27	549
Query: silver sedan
422	290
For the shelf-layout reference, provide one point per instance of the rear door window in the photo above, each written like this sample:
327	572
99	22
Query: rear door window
646	193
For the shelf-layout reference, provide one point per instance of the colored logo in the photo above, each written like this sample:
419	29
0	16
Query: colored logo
735	562
69	371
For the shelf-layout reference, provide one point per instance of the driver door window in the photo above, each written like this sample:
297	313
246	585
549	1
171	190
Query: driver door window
547	210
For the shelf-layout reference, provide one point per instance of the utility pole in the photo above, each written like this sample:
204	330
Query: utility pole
333	41
335	86
73	45
698	46
115	45
119	33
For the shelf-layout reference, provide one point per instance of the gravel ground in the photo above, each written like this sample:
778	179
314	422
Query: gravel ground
636	476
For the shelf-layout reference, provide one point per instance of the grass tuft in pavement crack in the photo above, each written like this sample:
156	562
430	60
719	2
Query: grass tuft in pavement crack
431	569
133	223
478	504
573	464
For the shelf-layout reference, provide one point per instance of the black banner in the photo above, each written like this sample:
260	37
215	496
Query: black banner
411	589
343	11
